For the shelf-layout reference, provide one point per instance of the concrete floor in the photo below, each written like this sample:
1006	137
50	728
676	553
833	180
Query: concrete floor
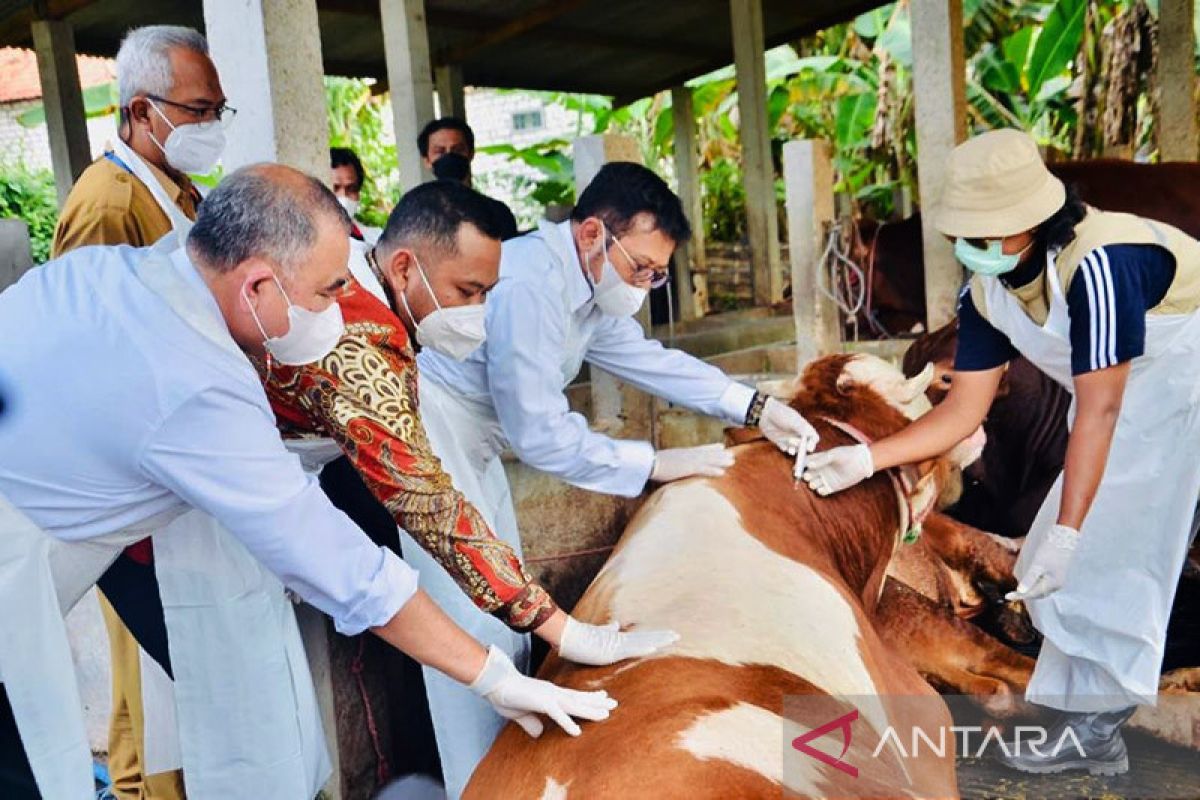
1157	772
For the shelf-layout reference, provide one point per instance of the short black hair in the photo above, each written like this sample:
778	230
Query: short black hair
621	190
445	123
266	211
1059	230
345	157
432	213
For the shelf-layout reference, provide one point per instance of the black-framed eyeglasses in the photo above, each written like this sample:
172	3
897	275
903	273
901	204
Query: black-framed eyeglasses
223	113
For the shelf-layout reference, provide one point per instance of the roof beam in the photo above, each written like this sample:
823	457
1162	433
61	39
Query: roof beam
456	20
546	12
723	59
16	28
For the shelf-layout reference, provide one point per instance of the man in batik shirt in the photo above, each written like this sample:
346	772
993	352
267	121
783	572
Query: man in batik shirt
427	278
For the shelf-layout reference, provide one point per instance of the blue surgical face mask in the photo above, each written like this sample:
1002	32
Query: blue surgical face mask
991	260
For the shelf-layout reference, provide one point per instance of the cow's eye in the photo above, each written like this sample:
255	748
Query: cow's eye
946	378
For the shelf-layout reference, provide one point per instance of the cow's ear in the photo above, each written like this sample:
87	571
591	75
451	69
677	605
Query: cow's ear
925	494
785	389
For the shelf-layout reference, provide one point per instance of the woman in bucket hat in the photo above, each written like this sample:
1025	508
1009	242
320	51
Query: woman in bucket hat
1106	304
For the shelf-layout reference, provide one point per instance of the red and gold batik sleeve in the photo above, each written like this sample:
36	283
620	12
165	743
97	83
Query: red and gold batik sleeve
364	396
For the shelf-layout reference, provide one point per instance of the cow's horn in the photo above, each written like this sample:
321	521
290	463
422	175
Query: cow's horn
918	383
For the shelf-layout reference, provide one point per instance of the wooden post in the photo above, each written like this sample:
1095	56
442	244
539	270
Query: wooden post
939	73
762	222
690	279
269	57
410	80
808	177
452	100
70	152
1177	135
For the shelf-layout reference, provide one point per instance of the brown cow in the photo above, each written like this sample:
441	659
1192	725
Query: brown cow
891	252
772	590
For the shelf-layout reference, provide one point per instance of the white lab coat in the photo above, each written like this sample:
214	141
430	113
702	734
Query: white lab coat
128	405
233	601
542	324
1106	628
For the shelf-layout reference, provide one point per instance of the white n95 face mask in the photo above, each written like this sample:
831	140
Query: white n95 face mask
455	332
613	295
311	335
194	149
350	204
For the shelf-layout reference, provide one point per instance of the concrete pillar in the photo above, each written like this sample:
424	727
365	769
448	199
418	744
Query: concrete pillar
70	152
617	408
268	54
762	222
1177	135
410	81
16	254
691	281
808	178
452	101
939	73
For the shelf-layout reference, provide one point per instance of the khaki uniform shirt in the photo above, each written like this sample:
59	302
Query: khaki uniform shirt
108	205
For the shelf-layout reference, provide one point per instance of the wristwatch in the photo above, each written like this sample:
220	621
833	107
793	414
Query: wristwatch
754	412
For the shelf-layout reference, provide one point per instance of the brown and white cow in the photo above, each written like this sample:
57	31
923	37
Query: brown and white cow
772	590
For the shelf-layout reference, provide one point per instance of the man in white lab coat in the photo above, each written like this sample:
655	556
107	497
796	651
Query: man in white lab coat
132	408
567	294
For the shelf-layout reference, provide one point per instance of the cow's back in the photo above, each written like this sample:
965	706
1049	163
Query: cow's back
761	618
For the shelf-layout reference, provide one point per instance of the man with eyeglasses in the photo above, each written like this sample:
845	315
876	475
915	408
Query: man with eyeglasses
567	294
172	119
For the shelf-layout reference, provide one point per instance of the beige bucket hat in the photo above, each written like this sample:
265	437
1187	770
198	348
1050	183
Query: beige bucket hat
996	185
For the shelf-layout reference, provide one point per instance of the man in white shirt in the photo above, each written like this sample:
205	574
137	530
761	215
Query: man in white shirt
131	399
567	294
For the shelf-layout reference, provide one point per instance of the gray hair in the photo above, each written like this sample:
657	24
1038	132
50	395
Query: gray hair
144	60
266	211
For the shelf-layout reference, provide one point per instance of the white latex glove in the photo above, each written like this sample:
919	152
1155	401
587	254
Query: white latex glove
597	645
1048	570
710	460
838	468
786	429
521	699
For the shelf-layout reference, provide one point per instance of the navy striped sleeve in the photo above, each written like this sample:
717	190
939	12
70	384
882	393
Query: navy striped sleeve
980	345
1107	300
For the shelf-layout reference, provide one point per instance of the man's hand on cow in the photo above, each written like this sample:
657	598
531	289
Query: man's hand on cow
838	468
786	429
520	698
1047	570
598	645
673	464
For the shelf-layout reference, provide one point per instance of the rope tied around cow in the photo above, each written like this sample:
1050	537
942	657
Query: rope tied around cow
911	521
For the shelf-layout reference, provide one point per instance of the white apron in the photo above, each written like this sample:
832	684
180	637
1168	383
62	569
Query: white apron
1106	628
248	720
466	438
41	579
